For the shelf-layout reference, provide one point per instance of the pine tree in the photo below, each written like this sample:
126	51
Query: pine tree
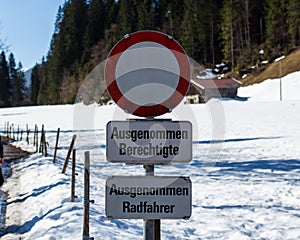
19	88
127	18
66	49
160	13
12	71
145	20
95	28
96	20
276	26
4	81
111	13
43	93
294	22
169	15
235	33
257	29
35	84
193	38
53	67
189	25
72	29
226	27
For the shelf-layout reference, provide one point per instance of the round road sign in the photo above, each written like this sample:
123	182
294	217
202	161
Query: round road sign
147	73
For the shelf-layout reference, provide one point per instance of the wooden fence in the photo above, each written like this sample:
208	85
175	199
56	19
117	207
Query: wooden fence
40	144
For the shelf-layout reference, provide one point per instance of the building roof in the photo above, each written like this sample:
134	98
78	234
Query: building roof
216	83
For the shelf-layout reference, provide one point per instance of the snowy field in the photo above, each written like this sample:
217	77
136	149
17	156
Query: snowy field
245	170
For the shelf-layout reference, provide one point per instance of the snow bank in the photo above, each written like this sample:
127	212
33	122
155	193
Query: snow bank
269	90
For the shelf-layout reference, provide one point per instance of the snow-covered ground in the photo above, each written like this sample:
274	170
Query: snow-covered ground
270	90
244	187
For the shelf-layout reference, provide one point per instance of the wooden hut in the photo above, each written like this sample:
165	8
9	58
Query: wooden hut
202	90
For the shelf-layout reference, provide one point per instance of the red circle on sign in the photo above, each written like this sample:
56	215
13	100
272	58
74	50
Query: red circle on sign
146	110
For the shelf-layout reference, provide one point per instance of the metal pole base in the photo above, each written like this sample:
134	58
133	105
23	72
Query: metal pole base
152	229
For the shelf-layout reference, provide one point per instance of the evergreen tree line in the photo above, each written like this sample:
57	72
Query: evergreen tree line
12	82
211	31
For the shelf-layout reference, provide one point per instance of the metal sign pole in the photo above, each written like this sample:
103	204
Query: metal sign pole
151	227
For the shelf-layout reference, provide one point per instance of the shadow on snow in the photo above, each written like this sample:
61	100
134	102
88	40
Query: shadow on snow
272	165
234	140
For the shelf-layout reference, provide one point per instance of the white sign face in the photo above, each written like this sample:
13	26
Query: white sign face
147	60
149	141
142	67
148	197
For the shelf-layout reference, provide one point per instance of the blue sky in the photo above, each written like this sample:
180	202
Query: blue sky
27	26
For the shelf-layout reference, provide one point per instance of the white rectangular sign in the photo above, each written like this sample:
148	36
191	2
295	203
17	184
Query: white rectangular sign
149	141
148	197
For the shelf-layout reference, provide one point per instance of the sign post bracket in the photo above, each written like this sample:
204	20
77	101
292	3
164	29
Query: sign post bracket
151	226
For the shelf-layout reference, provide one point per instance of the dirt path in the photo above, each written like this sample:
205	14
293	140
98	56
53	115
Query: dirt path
11	153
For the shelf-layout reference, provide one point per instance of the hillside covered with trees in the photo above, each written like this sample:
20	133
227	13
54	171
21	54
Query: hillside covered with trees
13	90
211	31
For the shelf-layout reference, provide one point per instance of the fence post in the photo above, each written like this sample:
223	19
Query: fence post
13	131
68	155
34	135
41	141
87	201
7	129
18	131
56	145
27	131
45	144
10	127
37	139
73	176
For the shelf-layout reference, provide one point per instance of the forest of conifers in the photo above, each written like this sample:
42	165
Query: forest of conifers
211	31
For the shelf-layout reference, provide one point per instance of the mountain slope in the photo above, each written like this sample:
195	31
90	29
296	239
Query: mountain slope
289	64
